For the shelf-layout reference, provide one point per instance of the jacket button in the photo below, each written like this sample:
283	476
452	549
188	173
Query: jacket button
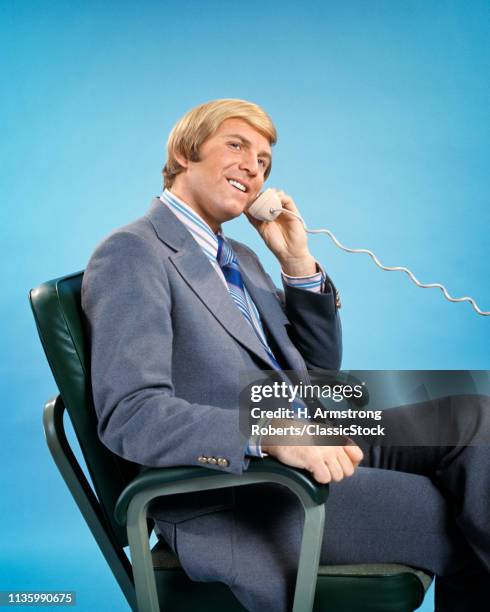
338	303
212	461
222	462
202	459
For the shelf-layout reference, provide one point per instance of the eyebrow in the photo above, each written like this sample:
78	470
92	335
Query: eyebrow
248	143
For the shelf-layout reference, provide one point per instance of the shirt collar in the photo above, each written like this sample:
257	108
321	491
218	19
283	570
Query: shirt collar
198	228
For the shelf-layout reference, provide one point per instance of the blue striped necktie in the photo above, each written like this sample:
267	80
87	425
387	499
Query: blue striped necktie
231	271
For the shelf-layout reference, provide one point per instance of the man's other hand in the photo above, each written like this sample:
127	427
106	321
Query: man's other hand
326	463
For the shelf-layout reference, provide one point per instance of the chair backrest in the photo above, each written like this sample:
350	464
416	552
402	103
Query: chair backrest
59	319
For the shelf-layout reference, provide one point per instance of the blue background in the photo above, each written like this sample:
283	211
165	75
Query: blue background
384	137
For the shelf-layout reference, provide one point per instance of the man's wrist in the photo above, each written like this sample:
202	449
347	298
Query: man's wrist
299	266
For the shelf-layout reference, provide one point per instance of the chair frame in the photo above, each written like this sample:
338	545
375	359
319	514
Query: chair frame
137	581
117	516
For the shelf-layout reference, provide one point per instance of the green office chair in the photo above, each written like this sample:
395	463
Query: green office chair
116	512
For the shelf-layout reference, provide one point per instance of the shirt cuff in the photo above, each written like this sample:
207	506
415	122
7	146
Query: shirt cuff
312	282
254	449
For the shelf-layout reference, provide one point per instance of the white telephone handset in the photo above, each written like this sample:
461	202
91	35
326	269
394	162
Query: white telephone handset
268	206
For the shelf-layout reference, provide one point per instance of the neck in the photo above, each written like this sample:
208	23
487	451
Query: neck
181	194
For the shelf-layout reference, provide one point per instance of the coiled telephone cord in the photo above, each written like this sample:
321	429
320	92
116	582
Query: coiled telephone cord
391	268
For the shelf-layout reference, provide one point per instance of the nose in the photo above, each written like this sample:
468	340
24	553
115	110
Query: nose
249	163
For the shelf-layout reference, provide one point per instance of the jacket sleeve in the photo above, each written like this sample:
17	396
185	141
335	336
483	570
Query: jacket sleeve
316	326
316	330
127	303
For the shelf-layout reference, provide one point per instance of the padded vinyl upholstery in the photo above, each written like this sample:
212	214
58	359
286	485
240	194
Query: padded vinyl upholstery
59	319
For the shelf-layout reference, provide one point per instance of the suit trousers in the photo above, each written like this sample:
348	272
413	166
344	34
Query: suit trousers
389	511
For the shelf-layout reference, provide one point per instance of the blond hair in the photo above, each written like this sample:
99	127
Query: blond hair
201	122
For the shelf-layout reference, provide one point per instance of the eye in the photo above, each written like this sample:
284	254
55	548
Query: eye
235	145
262	162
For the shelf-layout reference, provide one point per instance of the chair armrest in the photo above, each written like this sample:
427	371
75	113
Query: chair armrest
261	470
133	502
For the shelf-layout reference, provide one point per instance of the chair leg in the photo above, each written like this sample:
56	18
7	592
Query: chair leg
143	574
84	497
304	594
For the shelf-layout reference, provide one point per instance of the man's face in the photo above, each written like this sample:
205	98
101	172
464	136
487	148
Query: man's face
228	176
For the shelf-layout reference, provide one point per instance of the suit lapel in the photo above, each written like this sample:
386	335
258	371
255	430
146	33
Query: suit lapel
196	270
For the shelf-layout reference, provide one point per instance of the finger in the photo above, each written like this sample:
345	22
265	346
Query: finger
346	463
335	469
315	464
354	452
287	201
321	473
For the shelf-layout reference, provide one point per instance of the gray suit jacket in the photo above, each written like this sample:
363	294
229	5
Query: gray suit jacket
168	344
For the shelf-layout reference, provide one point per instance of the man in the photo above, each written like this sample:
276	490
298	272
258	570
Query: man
176	311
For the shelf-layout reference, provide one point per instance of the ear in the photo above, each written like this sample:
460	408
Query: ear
181	159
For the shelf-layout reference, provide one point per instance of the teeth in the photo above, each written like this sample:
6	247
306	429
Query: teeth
237	185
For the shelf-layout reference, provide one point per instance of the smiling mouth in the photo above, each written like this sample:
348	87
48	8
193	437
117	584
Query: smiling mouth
237	185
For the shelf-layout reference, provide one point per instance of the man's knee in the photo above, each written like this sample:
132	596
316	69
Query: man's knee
468	419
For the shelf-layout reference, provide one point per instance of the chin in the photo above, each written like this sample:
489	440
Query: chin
230	216
234	209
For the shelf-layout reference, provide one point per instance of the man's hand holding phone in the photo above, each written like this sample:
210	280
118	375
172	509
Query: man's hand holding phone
285	236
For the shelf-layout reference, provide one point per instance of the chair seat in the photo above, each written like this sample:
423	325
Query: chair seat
375	569
374	587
